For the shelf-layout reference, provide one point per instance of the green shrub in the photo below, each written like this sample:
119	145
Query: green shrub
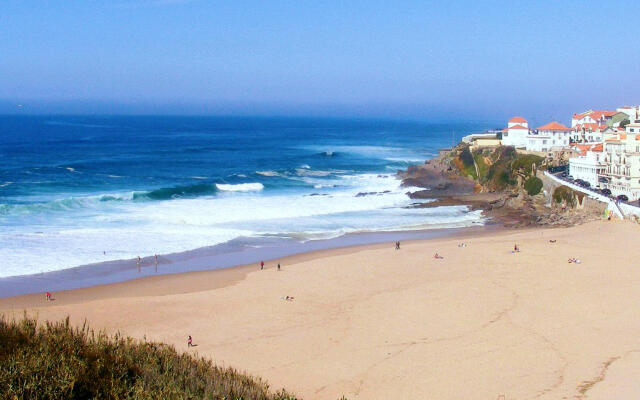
57	361
466	157
564	193
533	186
525	163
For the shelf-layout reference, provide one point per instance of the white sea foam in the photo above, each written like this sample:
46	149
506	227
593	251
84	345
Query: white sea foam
267	173
125	228
240	187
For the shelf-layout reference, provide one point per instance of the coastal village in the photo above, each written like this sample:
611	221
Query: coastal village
601	148
599	155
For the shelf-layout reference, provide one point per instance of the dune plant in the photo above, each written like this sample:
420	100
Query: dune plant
58	361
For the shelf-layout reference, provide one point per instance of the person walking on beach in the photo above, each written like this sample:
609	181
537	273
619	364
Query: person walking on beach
190	342
398	245
278	266
261	264
48	294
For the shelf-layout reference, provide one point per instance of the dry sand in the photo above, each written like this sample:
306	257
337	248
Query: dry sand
375	323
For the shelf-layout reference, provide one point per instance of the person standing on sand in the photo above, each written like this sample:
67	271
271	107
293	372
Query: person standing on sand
261	264
190	342
278	266
398	245
48	294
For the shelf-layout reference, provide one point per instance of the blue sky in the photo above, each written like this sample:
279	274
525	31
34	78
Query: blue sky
407	59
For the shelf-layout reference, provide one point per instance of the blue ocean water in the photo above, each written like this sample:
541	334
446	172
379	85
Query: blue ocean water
79	190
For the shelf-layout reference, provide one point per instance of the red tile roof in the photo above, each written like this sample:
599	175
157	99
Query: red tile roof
603	113
517	127
553	126
517	120
582	115
595	114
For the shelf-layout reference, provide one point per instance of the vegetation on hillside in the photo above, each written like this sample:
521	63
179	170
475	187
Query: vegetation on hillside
496	168
533	186
564	194
57	361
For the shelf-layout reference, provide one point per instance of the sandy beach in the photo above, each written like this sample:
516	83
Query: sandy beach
371	322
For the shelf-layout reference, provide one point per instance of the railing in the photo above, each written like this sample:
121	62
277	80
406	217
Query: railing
611	205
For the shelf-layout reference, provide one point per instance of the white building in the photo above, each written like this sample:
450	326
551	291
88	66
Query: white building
589	165
598	117
516	133
631	112
622	157
592	133
540	143
556	134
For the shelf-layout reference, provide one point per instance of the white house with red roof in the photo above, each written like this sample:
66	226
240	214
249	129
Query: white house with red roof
589	165
549	137
516	132
597	117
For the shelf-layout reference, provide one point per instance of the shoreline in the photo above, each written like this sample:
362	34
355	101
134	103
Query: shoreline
211	258
371	322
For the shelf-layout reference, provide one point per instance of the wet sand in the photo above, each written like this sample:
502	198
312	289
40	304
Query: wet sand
371	322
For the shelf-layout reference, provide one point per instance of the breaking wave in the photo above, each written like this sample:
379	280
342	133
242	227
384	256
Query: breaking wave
240	187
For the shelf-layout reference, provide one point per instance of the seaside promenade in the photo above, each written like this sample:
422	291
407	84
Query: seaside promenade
376	323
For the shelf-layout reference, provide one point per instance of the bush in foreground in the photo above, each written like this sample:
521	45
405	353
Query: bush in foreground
57	361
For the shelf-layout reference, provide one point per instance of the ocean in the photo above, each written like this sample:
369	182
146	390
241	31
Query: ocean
77	190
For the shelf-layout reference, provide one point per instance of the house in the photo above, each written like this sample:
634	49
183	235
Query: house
629	112
589	164
516	132
539	143
553	136
598	117
622	158
590	133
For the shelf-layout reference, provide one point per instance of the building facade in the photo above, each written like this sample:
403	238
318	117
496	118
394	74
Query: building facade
516	133
622	158
556	134
589	165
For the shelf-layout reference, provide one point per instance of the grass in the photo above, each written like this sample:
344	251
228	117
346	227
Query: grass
58	361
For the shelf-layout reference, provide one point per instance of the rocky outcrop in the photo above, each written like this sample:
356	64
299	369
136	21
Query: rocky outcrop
513	208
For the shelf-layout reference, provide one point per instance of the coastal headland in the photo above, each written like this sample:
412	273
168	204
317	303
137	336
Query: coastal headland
493	180
372	322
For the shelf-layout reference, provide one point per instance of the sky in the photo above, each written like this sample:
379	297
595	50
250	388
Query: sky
400	59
